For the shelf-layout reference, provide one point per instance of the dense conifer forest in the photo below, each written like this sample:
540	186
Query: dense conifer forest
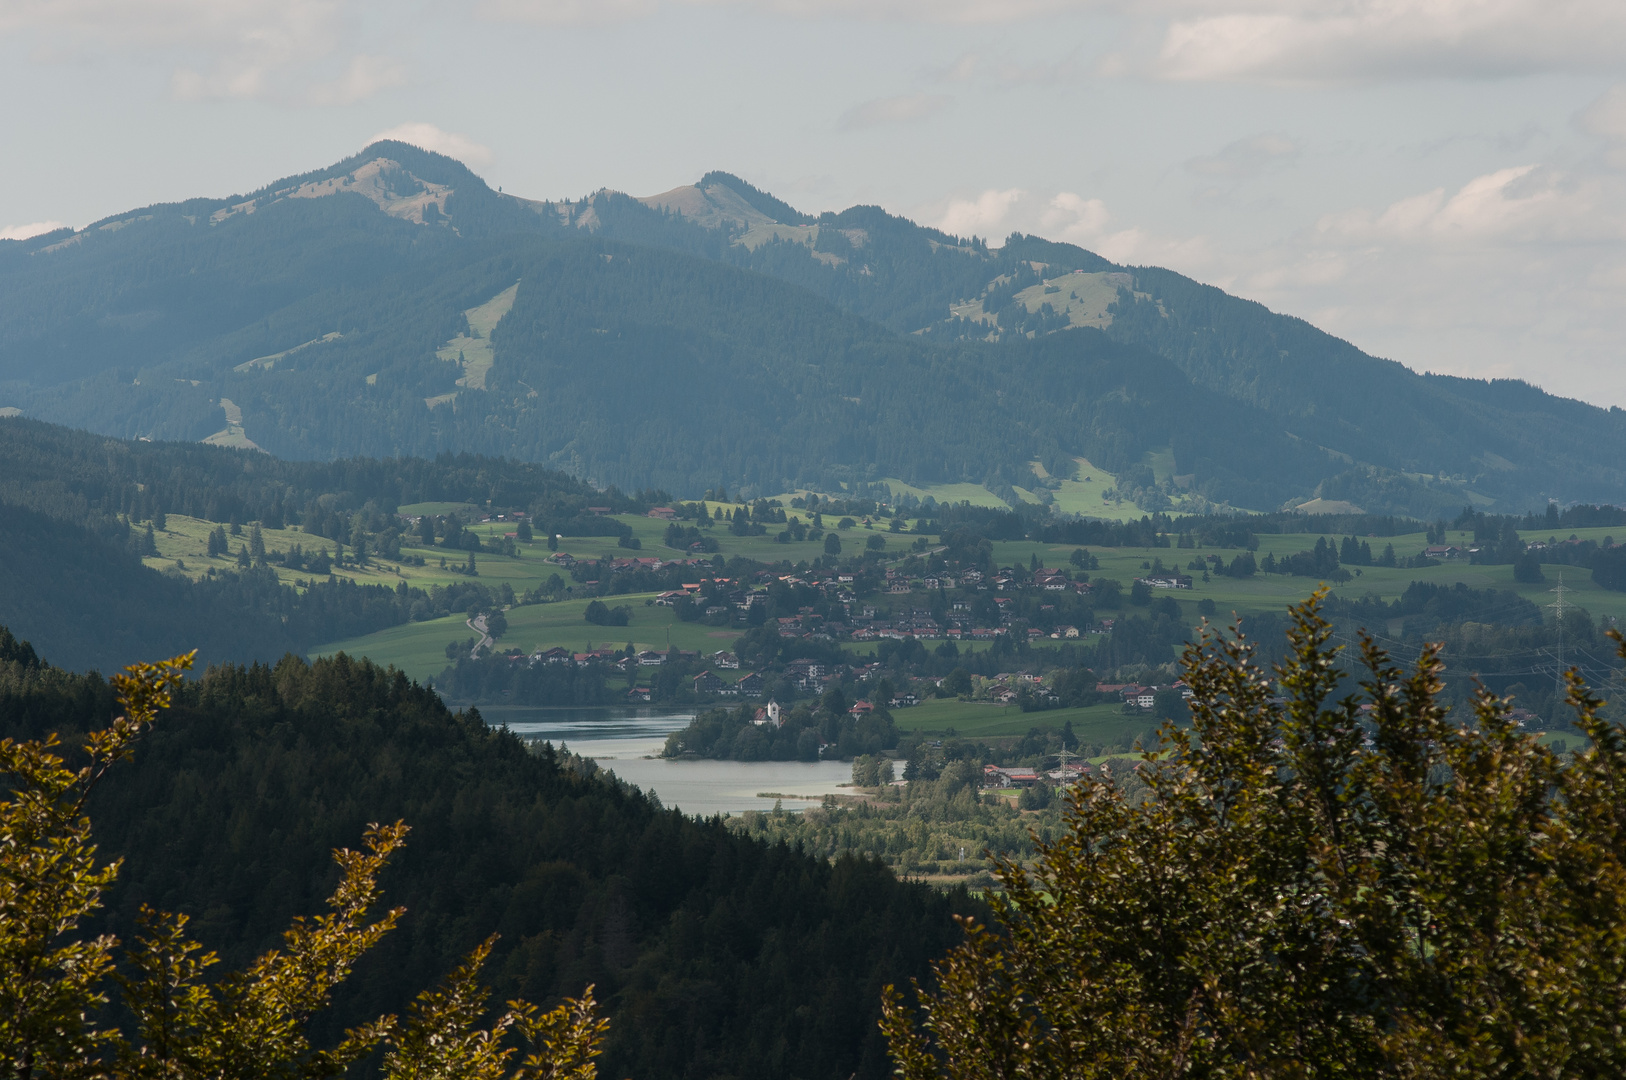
714	953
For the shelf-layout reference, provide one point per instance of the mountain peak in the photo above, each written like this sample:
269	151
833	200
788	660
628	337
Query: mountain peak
403	180
721	199
389	184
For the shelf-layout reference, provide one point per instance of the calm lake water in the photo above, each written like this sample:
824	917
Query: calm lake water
627	740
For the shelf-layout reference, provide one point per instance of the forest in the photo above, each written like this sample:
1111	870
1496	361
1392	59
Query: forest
714	952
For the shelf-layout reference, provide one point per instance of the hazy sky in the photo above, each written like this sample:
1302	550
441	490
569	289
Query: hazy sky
1442	182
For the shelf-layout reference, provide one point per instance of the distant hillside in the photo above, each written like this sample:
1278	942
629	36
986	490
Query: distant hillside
74	582
393	304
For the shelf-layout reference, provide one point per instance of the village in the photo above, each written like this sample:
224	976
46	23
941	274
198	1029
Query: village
899	615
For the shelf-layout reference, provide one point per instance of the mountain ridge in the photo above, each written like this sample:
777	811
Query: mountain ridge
358	276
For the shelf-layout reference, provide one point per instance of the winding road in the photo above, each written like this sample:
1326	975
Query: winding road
478	625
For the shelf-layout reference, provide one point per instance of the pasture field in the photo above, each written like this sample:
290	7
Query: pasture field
186	540
1080	496
419	649
420	509
1083	298
1084	495
650	532
473	350
975	494
1275	591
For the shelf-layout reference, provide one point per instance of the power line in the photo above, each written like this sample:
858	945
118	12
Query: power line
1558	609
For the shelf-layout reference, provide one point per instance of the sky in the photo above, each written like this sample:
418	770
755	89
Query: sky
1441	182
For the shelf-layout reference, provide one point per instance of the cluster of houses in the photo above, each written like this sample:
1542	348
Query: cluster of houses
774	714
1142	697
568	561
1169	579
648	658
1013	776
1046	580
861	623
1451	551
957	624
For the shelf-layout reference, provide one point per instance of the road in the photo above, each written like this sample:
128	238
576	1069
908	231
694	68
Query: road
478	625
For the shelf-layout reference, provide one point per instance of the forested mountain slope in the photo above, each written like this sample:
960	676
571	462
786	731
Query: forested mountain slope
75	508
715	955
393	304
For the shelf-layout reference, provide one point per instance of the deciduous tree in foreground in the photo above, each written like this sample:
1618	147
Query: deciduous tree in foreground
251	1024
1312	888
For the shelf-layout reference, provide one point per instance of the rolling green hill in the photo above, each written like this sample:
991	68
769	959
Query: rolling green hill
393	304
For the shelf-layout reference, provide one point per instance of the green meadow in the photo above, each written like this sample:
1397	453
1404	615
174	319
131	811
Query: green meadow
1272	591
419	648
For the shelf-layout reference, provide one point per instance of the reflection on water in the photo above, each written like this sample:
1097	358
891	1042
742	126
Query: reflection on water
626	740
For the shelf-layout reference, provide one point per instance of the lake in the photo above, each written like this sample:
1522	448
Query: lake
626	741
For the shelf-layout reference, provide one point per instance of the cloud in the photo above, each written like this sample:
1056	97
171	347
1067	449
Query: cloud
1065	216
1516	272
935	11
243	48
1523	204
905	109
587	12
294	51
1312	41
984	215
1245	158
965	67
1012	68
567	12
429	137
365	76
1074	218
1606	117
23	232
1242	40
